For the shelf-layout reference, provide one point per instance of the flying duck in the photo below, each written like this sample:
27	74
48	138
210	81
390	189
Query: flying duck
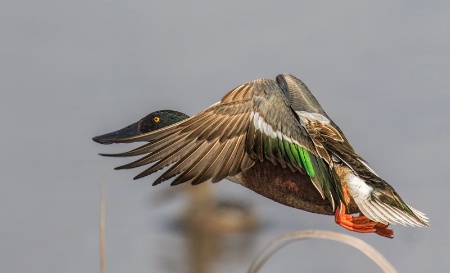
274	138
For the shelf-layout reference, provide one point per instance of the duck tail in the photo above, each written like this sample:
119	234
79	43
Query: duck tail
380	203
386	206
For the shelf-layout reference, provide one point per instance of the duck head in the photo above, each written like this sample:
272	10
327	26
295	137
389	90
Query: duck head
153	121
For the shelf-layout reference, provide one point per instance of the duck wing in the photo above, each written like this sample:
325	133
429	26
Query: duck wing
254	121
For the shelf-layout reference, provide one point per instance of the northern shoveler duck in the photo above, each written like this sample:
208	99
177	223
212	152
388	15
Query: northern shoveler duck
274	138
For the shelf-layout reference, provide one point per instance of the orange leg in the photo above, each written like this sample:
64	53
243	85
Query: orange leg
361	223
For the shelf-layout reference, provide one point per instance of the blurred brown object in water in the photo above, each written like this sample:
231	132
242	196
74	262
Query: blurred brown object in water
208	224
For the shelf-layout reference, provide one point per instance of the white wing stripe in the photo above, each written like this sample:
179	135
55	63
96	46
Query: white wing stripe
267	129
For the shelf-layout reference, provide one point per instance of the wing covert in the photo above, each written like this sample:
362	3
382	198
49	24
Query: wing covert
254	121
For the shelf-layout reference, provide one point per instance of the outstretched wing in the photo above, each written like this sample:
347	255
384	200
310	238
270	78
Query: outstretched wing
252	122
207	146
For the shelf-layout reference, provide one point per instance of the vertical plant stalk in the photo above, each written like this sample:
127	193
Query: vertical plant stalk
287	238
102	228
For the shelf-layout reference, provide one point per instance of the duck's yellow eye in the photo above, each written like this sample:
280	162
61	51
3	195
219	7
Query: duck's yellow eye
156	119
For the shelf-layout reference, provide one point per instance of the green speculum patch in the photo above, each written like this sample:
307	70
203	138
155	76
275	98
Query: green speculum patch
306	160
290	152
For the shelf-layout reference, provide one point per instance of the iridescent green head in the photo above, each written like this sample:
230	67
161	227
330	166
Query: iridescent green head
153	121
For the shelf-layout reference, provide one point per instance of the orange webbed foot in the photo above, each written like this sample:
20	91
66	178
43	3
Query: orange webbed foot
361	223
383	230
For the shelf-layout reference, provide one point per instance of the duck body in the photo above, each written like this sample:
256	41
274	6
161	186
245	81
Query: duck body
274	138
293	190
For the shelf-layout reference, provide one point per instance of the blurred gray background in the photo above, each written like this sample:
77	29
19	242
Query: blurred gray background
70	70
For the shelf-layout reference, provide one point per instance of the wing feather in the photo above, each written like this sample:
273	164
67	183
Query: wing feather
252	122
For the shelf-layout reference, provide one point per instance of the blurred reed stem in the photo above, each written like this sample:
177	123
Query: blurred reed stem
102	227
287	238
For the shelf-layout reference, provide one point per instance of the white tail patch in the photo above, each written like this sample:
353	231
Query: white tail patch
376	210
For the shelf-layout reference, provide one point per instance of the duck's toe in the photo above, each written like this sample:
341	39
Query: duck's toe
361	223
383	230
